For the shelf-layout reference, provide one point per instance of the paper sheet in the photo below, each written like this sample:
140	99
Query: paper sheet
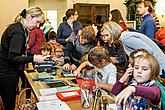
48	91
52	105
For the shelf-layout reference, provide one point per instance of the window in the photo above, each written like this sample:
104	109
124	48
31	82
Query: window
52	16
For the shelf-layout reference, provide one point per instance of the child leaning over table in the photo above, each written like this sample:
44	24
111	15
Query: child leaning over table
105	76
84	70
142	93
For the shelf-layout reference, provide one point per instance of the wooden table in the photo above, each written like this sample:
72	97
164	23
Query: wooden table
37	85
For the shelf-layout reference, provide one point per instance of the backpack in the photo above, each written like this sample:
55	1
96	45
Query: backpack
162	93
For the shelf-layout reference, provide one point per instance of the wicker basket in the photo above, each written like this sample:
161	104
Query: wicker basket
24	103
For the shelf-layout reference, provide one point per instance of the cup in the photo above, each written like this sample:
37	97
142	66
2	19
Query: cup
86	94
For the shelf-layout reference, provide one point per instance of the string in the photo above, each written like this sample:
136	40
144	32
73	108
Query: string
26	41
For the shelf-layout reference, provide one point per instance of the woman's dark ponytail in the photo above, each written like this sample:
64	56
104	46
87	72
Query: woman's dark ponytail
23	13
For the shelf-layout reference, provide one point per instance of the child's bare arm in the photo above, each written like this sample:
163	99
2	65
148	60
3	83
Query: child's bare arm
105	86
83	65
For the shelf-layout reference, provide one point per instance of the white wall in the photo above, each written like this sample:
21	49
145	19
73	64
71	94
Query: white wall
160	12
118	4
59	5
9	9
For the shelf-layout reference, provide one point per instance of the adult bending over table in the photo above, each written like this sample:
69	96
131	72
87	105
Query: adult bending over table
13	52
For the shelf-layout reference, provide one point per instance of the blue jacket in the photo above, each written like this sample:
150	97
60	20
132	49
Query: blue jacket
148	26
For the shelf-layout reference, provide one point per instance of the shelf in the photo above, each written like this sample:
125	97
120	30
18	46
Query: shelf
84	15
92	13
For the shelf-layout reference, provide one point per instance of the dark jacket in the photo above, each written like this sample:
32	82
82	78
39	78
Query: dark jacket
13	46
64	31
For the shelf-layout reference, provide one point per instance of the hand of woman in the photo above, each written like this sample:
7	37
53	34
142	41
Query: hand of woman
124	94
114	59
126	75
40	58
66	67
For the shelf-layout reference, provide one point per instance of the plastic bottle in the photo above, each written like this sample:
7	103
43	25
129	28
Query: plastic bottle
103	104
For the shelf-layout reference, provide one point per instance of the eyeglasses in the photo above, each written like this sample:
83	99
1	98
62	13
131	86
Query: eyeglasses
104	36
59	51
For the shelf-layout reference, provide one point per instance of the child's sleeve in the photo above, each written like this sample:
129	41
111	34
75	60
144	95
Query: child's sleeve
89	64
59	37
32	37
112	75
117	88
67	52
153	93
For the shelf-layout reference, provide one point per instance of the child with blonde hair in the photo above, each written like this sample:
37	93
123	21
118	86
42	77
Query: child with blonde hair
142	93
59	55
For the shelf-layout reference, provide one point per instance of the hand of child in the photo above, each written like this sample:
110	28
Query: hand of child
40	58
66	67
77	73
73	67
99	85
124	94
128	73
95	29
60	63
